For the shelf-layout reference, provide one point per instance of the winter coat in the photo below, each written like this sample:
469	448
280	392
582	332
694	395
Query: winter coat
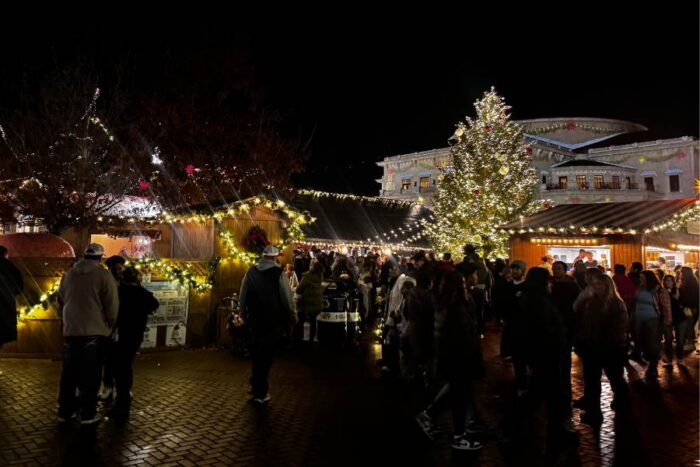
420	313
457	343
600	327
11	284
266	299
564	294
311	291
135	304
88	300
541	329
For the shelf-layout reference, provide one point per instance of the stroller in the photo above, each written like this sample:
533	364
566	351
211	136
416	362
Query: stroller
237	328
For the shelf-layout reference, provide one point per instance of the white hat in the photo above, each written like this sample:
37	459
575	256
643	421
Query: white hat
94	249
271	250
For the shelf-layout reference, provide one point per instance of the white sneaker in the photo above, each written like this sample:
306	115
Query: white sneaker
263	400
67	419
96	419
461	443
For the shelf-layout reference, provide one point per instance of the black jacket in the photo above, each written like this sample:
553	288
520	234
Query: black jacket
11	284
135	304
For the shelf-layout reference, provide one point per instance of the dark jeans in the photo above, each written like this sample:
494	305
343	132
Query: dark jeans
565	381
263	347
593	365
546	386
680	329
82	369
299	328
124	353
459	393
649	336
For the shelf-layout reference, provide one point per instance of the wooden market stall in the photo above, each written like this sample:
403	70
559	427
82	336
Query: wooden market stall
616	233
202	251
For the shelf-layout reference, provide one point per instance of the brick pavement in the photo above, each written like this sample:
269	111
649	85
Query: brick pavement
328	408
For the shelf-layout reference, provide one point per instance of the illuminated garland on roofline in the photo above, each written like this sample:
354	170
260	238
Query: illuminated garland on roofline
173	271
364	199
30	310
674	223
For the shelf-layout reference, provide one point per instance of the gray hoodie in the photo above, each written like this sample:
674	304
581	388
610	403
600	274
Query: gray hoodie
88	300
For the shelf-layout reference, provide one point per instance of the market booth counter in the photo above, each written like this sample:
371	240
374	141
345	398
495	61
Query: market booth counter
614	233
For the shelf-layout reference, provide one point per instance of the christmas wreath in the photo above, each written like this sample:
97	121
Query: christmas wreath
256	240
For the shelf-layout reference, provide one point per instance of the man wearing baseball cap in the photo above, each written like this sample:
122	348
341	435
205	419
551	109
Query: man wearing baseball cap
88	301
267	303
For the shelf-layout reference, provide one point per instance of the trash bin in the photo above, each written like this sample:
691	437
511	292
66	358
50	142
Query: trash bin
332	321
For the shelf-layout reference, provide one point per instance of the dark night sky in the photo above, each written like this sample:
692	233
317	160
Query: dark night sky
361	89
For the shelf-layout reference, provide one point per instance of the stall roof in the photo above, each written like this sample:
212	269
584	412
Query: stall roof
629	215
353	219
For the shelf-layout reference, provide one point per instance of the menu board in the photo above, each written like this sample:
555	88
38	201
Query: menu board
171	315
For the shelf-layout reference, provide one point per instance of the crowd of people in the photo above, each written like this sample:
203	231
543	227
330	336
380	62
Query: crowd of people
432	314
436	312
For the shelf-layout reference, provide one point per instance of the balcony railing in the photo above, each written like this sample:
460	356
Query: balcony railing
601	186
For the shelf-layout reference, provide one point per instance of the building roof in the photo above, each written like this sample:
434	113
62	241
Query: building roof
353	219
628	215
577	132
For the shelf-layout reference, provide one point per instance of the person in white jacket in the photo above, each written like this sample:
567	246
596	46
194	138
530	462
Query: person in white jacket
88	302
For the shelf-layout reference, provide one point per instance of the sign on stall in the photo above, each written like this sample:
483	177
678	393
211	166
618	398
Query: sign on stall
167	325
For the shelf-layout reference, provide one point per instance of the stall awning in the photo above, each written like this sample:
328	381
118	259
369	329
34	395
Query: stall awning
672	240
629	215
349	219
674	171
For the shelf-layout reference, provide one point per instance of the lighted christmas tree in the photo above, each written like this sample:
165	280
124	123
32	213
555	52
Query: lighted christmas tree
489	182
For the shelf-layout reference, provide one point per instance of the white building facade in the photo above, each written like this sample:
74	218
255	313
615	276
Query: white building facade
662	169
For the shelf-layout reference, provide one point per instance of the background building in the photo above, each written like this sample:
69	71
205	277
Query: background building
571	164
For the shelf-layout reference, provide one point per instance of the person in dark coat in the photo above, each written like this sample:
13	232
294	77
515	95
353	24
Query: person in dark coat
116	265
310	293
11	285
601	342
546	339
135	304
458	358
564	293
268	306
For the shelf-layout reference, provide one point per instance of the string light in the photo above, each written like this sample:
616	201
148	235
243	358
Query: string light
178	271
363	199
30	310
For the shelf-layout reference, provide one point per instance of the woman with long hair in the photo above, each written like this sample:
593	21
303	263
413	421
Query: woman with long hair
688	297
601	342
652	310
542	335
458	361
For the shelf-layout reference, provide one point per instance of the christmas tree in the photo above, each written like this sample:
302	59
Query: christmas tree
490	182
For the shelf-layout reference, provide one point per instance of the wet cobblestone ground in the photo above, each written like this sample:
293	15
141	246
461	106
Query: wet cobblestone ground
327	409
